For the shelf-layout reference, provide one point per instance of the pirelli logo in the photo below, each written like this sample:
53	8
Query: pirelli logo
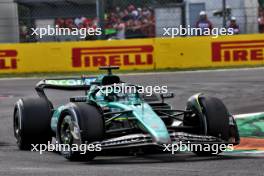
8	59
116	55
239	51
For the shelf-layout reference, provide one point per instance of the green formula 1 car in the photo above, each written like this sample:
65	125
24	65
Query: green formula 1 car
118	121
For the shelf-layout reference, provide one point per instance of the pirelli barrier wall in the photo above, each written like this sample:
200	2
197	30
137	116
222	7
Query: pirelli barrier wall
141	54
193	52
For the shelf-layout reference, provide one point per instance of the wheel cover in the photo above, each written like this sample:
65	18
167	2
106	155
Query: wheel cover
17	130
66	136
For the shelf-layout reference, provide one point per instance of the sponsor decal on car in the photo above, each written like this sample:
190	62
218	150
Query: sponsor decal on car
8	59
238	51
71	82
116	55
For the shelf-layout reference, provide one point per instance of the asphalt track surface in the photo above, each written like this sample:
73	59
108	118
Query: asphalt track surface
241	90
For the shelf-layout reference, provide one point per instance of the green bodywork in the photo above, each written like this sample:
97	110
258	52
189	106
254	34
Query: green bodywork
251	125
146	118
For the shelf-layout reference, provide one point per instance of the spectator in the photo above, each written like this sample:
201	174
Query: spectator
233	25
126	16
60	23
146	12
129	22
137	28
129	29
121	28
261	22
24	34
78	22
203	23
135	22
87	22
69	23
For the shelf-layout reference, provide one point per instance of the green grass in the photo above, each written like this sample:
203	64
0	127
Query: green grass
74	74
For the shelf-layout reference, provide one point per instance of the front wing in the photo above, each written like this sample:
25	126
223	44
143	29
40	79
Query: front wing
140	140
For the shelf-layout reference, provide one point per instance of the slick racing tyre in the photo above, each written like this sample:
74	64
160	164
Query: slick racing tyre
218	123
31	122
88	121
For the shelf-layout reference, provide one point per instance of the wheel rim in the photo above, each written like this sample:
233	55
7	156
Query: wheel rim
17	127
66	136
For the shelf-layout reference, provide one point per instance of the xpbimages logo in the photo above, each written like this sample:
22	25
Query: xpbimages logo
190	31
188	146
131	89
56	147
57	31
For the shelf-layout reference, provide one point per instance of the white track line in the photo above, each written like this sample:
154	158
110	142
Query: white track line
195	71
242	116
147	73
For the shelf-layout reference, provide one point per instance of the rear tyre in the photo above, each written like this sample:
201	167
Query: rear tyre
90	122
217	123
31	122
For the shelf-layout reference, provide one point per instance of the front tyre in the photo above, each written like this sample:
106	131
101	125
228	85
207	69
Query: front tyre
86	119
218	122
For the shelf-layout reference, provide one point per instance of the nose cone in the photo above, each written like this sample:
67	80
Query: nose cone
162	138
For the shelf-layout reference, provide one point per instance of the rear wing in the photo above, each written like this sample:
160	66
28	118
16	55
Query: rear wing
64	84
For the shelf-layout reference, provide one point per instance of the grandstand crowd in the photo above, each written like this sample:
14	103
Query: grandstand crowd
128	22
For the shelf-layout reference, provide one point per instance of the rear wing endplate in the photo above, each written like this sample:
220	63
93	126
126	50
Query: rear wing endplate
70	84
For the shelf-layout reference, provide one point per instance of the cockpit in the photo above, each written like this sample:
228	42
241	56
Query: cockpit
117	93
